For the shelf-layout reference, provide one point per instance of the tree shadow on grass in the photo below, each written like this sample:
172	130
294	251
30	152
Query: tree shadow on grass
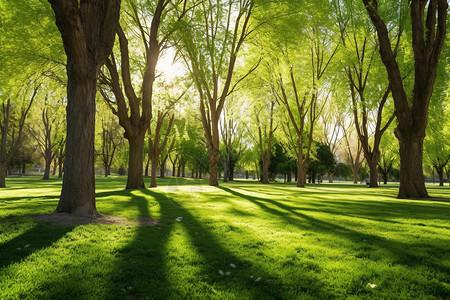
147	268
404	253
214	256
40	236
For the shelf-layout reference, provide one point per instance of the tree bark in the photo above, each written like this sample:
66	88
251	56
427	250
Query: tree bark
78	189
214	157
48	162
2	175
135	178
412	181
373	172
440	172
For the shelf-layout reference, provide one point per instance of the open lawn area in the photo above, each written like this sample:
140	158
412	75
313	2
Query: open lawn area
268	241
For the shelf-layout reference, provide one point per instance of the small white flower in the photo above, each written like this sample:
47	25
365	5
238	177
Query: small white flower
372	285
130	287
221	272
26	246
251	276
258	279
19	248
179	219
228	273
233	266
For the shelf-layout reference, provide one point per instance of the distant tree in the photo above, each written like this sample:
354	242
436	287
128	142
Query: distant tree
210	44
12	123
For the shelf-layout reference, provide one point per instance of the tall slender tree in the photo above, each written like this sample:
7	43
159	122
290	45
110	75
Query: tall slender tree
210	45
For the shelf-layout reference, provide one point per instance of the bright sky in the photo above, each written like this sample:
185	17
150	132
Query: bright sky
168	67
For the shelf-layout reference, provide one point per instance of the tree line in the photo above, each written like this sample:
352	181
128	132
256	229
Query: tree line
275	87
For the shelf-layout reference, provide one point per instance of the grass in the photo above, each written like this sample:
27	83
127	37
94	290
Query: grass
324	241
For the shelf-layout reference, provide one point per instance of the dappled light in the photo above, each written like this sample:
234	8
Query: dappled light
324	241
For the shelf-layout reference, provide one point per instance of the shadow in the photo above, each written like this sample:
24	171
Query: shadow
213	256
403	253
38	237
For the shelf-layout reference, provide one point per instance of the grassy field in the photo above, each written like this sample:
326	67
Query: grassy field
269	241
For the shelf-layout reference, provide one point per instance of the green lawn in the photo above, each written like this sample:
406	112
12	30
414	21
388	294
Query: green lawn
324	241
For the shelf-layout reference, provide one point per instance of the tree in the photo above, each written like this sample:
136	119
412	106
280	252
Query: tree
48	130
210	44
264	138
134	112
412	113
110	138
12	124
87	29
354	152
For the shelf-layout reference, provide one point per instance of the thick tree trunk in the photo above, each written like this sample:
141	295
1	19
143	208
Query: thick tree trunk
440	172
78	189
214	157
154	164
412	181
183	170
355	175
301	173
135	179
2	175
373	172
88	29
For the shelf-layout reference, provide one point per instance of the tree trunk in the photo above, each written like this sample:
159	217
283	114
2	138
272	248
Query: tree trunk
265	171
78	189
135	179
48	162
214	157
154	160
163	168
412	181
301	173
2	175
385	178
355	174
183	170
88	29
147	165
440	171
60	168
373	172
55	164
